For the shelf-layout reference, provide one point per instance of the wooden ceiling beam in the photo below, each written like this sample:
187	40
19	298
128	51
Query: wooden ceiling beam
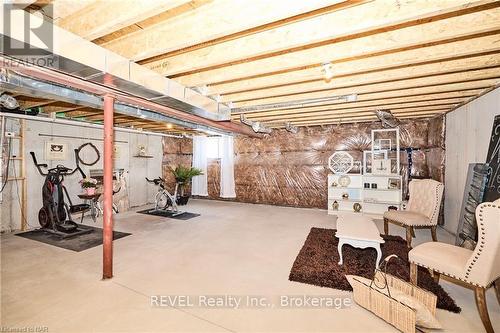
354	77
62	108
366	106
100	116
324	115
319	114
409	94
492	77
387	103
104	17
208	66
360	118
209	22
403	60
35	103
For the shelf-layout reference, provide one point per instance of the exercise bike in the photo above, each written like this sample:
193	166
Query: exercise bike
55	214
164	200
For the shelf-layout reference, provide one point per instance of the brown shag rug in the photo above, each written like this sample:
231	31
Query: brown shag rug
317	261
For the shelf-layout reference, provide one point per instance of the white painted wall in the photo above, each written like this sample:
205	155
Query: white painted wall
468	130
140	192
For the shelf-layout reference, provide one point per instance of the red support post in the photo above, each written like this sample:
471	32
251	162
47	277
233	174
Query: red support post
107	230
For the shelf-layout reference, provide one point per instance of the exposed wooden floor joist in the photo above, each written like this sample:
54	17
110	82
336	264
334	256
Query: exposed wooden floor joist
415	58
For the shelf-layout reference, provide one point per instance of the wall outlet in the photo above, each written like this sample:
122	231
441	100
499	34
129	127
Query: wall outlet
10	134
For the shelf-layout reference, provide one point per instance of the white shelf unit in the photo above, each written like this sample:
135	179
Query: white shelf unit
373	201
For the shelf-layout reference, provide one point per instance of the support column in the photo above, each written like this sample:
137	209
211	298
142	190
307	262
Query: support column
107	230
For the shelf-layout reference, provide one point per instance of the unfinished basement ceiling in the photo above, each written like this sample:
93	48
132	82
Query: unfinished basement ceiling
415	58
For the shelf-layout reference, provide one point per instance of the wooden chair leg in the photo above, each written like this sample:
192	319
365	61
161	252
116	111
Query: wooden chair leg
497	289
408	236
435	276
386	227
412	232
434	234
413	273
479	293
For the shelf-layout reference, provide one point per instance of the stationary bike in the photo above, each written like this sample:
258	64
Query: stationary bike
55	214
164	200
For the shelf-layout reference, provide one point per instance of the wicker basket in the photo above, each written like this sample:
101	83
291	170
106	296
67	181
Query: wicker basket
384	306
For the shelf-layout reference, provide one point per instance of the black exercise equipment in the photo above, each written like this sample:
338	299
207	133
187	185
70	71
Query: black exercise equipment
55	214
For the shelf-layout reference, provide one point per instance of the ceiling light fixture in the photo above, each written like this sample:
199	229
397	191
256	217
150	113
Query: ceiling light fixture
327	70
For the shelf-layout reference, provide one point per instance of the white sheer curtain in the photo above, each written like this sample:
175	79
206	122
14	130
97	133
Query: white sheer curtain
226	152
200	162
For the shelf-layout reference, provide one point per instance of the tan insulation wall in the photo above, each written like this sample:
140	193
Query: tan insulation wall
291	169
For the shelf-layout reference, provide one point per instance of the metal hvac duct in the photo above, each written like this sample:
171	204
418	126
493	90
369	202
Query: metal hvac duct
79	58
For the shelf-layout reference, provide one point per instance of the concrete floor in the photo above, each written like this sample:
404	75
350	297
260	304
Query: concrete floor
231	249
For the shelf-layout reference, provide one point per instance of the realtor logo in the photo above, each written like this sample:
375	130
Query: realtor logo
28	37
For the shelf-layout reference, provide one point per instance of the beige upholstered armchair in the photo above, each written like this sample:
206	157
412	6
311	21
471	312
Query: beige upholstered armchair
422	210
479	268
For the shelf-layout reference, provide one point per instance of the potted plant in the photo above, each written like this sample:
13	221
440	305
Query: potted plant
89	185
183	176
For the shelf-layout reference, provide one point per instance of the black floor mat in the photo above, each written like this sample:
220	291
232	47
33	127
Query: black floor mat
183	216
77	243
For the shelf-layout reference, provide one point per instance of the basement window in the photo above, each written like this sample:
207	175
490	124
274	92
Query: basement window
212	147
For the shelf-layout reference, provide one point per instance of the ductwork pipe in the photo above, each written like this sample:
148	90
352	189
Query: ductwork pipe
65	80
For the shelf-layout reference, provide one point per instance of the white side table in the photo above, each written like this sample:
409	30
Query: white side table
358	231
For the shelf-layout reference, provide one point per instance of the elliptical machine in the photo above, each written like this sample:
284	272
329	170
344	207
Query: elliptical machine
55	214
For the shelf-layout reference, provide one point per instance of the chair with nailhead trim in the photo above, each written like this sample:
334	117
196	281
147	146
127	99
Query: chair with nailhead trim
422	210
479	269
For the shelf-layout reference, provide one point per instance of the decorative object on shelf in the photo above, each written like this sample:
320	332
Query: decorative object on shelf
374	185
334	184
369	156
141	150
340	162
356	207
335	205
357	168
394	183
345	195
344	180
381	166
366	185
392	208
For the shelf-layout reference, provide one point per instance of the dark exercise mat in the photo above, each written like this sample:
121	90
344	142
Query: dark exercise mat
76	243
183	216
